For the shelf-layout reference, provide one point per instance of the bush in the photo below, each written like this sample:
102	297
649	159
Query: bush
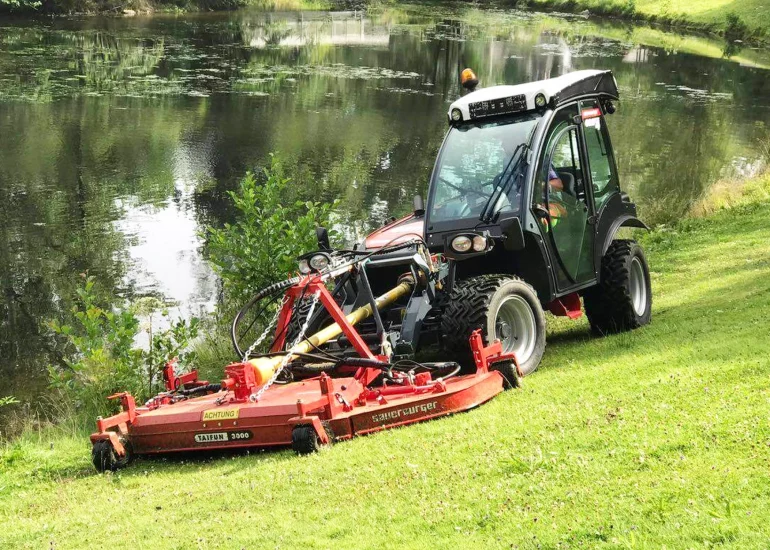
262	246
101	354
735	28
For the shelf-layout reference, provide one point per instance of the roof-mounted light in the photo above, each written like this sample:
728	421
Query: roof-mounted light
540	101
468	79
457	115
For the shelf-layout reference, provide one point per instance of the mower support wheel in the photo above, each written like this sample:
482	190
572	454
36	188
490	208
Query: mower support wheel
623	299
511	378
305	440
104	457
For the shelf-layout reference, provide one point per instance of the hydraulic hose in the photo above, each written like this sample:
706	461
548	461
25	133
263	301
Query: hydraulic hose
267	291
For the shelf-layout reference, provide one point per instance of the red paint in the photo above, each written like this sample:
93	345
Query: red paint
484	356
174	382
399	231
567	306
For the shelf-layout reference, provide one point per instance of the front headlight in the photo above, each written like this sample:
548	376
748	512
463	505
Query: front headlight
304	267
479	243
461	243
319	262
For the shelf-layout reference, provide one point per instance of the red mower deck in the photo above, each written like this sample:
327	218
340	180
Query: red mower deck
330	404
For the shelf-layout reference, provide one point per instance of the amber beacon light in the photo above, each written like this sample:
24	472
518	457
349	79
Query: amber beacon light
468	79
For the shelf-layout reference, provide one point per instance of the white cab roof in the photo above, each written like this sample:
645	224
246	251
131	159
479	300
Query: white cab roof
549	88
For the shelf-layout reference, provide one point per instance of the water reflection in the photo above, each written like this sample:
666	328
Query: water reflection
119	138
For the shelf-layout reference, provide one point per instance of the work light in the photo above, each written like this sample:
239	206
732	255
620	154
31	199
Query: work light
479	243
461	243
313	262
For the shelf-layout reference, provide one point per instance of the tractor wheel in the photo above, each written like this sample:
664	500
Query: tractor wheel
503	307
623	299
105	458
305	440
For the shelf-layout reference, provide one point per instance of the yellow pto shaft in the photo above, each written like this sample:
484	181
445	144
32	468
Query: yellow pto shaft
265	367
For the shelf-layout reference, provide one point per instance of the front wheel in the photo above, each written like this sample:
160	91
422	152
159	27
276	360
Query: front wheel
503	307
623	299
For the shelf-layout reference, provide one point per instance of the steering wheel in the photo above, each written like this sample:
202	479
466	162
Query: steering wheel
461	189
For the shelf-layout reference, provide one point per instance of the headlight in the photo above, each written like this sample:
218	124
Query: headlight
457	115
319	262
479	243
540	101
461	243
304	267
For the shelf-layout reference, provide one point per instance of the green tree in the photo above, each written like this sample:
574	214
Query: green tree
262	246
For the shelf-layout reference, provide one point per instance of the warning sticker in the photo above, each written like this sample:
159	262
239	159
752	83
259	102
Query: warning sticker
221	414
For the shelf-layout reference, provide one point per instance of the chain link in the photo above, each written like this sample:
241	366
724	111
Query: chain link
267	331
300	337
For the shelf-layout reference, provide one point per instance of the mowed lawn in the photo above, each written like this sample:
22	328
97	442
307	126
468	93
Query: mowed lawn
657	438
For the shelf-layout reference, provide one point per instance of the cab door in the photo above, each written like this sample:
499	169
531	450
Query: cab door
563	203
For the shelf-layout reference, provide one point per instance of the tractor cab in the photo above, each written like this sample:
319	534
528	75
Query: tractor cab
525	204
526	177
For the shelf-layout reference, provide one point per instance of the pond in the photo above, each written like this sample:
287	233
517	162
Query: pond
119	137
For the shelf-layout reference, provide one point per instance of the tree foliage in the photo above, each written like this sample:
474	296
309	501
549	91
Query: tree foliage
271	230
101	355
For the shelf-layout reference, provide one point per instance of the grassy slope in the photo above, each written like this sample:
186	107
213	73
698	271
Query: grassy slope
651	438
699	14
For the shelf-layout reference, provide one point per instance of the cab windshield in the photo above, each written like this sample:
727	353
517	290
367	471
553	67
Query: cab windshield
476	162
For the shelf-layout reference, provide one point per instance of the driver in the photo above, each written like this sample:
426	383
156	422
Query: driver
553	177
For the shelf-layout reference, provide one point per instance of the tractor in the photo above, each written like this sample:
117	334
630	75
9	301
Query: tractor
436	312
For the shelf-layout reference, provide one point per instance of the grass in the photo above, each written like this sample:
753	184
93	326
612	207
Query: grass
650	439
735	19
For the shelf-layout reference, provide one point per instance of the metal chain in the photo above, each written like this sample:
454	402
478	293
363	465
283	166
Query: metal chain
300	337
268	330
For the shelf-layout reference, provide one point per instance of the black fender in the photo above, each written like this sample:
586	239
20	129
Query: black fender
625	220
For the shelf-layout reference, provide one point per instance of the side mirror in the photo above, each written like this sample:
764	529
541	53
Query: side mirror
419	206
323	238
513	233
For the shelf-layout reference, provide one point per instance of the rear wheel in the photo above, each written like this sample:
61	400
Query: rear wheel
504	308
623	299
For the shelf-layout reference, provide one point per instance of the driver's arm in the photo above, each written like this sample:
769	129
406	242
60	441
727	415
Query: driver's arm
554	180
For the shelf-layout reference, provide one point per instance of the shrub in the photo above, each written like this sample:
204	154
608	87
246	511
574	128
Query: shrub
101	354
735	27
262	246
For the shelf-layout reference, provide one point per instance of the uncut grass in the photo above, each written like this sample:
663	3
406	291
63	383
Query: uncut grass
644	439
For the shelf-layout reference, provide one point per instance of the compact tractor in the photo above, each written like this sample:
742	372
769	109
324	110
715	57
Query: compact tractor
434	313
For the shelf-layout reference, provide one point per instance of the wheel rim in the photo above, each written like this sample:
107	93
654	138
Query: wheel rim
638	286
516	328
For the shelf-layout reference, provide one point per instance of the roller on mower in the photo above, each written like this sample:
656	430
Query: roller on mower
523	213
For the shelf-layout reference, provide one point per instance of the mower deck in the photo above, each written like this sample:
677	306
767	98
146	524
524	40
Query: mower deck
201	423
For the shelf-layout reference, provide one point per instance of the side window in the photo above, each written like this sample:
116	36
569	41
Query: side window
601	164
564	173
